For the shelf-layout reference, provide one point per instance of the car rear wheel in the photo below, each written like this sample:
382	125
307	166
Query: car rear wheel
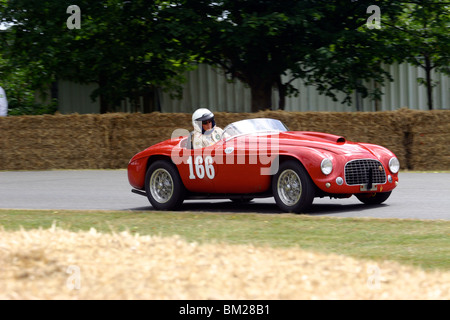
292	187
163	186
373	198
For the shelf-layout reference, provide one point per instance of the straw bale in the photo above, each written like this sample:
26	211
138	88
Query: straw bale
58	264
431	121
429	140
376	128
108	141
131	133
430	151
45	142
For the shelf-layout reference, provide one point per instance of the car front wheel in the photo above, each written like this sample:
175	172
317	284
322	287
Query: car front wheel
163	186
292	187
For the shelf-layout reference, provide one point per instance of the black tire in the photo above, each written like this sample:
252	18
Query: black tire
163	186
373	198
293	188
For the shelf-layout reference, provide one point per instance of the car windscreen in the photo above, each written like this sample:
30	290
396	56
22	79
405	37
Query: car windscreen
251	126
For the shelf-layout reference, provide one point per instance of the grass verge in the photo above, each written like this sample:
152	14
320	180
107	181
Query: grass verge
421	243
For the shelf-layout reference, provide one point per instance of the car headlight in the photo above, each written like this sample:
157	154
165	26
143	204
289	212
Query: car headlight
394	165
326	166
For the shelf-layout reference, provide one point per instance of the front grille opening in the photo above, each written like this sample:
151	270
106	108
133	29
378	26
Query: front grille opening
357	172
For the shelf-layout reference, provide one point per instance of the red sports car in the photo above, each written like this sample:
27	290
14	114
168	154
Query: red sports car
259	158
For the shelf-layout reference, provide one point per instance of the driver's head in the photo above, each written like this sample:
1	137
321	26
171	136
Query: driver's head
203	120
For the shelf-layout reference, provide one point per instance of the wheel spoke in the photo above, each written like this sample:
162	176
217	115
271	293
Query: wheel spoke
161	185
289	187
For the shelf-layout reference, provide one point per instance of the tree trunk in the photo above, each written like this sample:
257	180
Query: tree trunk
104	102
281	94
428	69
261	92
377	100
149	99
104	105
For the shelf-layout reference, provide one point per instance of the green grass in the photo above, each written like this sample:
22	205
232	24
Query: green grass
421	243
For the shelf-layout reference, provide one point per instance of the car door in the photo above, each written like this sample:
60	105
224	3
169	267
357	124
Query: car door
195	167
241	166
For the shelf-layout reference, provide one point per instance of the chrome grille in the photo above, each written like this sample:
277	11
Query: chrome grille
357	172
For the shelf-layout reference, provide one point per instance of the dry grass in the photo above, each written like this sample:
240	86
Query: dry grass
39	264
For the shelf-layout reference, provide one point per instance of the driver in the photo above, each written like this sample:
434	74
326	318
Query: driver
205	131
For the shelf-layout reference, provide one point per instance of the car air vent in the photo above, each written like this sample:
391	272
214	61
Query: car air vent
359	172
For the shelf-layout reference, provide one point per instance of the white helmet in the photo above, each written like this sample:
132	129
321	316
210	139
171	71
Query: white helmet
200	115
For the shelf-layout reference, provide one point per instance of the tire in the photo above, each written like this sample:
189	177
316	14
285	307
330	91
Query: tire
163	186
373	198
292	187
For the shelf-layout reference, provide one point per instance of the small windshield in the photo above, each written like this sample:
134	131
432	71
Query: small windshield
251	126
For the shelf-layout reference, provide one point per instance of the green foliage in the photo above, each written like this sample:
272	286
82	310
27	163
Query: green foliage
33	109
130	47
20	92
119	47
325	43
419	34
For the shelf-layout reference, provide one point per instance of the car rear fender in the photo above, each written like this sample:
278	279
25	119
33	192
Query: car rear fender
136	172
157	157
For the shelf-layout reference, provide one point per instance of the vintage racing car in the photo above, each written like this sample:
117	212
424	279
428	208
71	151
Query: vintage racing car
258	158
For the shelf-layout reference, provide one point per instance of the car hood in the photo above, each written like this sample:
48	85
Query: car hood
329	142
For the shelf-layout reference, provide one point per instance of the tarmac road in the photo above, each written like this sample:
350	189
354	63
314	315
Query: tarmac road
418	196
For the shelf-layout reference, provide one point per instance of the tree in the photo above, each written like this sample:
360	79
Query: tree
323	42
19	91
119	46
420	36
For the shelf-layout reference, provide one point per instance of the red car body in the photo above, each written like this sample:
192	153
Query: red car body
292	166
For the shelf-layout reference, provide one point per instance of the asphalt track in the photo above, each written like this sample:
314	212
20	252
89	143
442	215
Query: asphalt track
418	196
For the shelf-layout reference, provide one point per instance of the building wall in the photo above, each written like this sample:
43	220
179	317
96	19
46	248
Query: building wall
75	98
208	87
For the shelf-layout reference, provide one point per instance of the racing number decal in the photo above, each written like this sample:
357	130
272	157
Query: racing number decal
201	169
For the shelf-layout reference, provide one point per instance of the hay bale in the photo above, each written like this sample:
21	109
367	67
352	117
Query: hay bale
58	264
418	138
52	142
430	136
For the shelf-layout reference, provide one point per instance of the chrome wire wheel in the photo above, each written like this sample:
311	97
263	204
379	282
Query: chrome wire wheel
289	187
161	185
